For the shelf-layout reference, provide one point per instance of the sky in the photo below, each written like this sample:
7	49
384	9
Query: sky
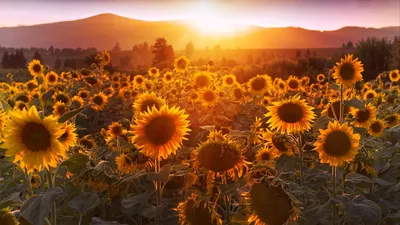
309	14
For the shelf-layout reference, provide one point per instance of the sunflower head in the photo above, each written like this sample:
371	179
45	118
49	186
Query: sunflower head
304	81
181	64
265	154
348	71
209	97
364	117
376	128
35	68
160	132
197	211
292	115
84	72
202	79
84	94
332	110
61	97
293	83
20	105
153	72
229	80
105	57
392	120
337	144
31	85
279	143
59	109
146	101
167	77
259	83
51	78
320	78
394	75
126	163
237	93
76	102
115	129
138	80
370	94
69	137
99	101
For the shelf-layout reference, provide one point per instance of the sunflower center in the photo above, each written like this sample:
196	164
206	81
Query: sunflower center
290	113
197	214
127	94
139	80
98	100
148	104
229	80
52	78
363	116
202	81
258	84
36	137
218	157
62	98
61	110
293	84
347	71
279	143
22	98
208	96
281	86
37	68
265	156
116	130
337	144
160	130
376	127
83	94
390	119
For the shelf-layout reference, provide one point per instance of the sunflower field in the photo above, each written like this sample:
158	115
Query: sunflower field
194	146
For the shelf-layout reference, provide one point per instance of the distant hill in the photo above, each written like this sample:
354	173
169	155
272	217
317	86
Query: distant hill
104	30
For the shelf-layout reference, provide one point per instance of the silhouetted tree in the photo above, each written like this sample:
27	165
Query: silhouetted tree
57	65
117	48
349	45
395	54
190	50
298	54
162	51
70	64
51	50
38	56
5	60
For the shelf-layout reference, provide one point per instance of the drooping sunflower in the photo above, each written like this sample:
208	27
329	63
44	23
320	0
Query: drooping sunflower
337	144
336	109
197	211
258	84
84	72
31	85
348	71
76	102
153	72
229	80
392	120
51	78
146	101
61	97
99	101
271	205
115	129
69	137
265	154
376	128
181	64
106	58
364	117
293	83
87	142
394	75
320	78
160	132
202	79
370	94
138	80
125	163
279	143
59	109
33	141
35	68
83	94
304	81
167	77
209	97
291	116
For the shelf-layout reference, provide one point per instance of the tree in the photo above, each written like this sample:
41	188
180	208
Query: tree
189	50
57	64
37	56
298	54
70	64
395	54
51	50
349	45
5	60
117	48
162	51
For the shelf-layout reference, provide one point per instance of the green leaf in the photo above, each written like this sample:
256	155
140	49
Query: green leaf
152	211
98	221
334	86
37	207
162	176
362	131
76	162
356	103
68	115
320	123
360	208
357	178
134	199
9	200
85	202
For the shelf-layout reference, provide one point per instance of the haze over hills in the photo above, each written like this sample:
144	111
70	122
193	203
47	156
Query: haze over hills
104	30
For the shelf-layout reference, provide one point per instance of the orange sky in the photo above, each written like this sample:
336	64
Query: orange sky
310	14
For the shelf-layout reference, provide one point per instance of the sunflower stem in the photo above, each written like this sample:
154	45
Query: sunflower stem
157	183
53	211
341	104
334	194
29	180
227	202
301	160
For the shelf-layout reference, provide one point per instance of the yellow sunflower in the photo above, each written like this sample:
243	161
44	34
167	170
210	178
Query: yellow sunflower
348	71
149	85
83	94
153	72
61	97
51	78
35	68
304	81
320	78
160	132
115	78
59	109
370	94
258	84
197	211
202	79
115	129
138	80
293	83
106	58
336	109
125	163
337	144
69	137
125	94
31	85
237	93
209	97
266	101
265	154
167	77
194	96
291	116
33	141
394	75
392	120
20	105
279	143
229	80
77	102
376	128
99	101
364	117
146	101
181	64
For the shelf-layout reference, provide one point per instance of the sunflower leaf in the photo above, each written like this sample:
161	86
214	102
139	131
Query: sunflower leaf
85	202
76	162
71	114
9	200
98	221
356	103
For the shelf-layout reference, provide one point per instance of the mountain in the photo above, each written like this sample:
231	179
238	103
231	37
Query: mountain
104	30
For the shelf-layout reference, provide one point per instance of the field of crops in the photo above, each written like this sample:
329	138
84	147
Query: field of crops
194	146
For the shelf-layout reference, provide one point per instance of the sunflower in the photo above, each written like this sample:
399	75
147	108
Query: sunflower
23	97
75	75
258	84
229	80
76	102
99	101
153	72
167	77
320	78
84	72
293	83
35	68
292	115
337	144
65	75
36	180
237	93
149	85
271	205
304	81
160	132
197	211
20	105
370	94
59	109
181	64
279	143
281	85
83	94
348	71
209	97
138	80
33	141
8	218
115	78
376	128
266	101
87	142
115	129
265	154
336	108
69	137
202	79
125	94
31	85
394	75
51	78
364	117
146	101
61	97
3	118
91	81
125	163
194	96
106	58
392	120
